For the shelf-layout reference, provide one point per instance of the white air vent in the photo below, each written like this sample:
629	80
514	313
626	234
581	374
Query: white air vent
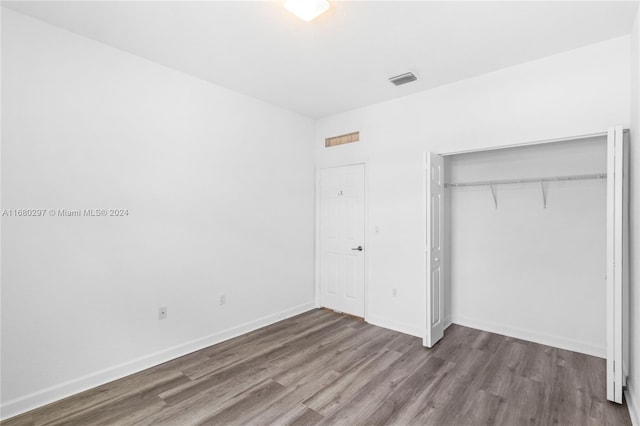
403	78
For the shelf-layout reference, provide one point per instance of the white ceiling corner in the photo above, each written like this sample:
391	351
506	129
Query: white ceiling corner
343	58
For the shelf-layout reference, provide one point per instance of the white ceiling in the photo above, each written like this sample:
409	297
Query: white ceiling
341	60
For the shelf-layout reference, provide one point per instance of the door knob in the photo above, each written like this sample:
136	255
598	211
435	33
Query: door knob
359	248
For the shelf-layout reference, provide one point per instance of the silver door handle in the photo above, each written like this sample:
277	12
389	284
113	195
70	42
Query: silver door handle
359	248
436	259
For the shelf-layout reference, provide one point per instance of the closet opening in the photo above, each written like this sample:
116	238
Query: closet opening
529	236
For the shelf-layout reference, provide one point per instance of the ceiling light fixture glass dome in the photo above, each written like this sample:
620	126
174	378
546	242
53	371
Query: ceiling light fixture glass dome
307	10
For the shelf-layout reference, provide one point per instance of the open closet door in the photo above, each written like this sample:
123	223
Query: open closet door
434	249
617	262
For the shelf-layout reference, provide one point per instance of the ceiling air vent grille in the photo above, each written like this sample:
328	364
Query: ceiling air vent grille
342	139
403	78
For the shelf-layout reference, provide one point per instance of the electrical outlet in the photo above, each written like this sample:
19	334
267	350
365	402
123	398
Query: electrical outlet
394	292
162	313
223	299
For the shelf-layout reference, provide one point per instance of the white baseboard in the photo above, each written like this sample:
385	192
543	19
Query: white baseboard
395	326
544	339
447	323
634	406
54	393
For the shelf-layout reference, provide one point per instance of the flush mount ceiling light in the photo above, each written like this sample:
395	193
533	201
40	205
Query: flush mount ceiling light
307	10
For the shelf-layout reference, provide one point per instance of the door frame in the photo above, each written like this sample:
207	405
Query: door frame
522	144
367	236
617	262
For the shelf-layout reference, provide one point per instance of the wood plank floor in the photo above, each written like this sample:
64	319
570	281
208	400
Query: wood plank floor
324	368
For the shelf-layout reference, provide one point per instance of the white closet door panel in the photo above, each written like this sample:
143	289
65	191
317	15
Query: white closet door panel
434	249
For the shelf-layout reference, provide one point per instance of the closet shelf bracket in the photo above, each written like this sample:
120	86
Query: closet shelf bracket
493	193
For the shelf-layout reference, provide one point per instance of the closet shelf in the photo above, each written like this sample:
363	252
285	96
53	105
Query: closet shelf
541	180
527	180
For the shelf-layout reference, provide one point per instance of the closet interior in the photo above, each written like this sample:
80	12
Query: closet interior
527	235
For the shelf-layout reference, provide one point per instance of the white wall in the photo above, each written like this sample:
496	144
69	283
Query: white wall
522	269
579	92
203	171
633	394
220	193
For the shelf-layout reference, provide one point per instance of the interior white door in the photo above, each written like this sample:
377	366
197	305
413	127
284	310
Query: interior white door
435	249
342	222
617	262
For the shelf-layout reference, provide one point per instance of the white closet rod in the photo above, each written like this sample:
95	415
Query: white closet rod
528	180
